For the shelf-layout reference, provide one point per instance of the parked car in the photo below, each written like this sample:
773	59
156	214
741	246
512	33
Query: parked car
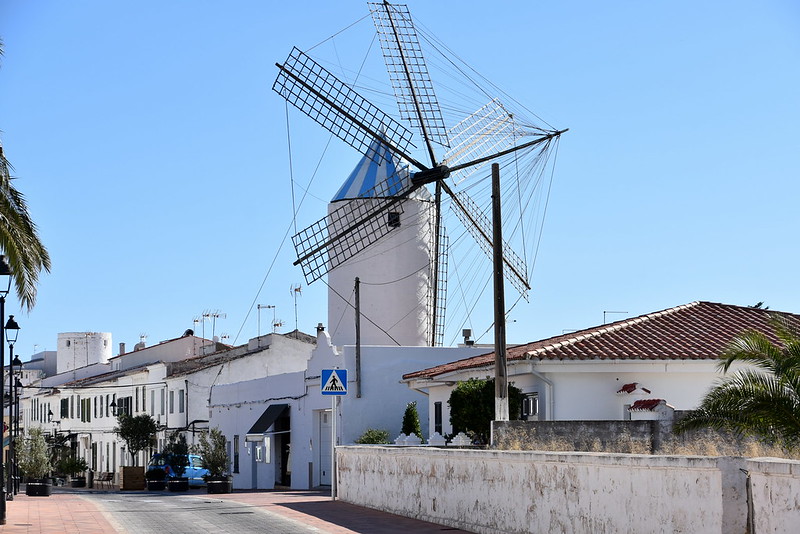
194	471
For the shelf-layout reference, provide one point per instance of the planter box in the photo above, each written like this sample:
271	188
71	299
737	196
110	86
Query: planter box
219	484
178	484
156	485
131	478
78	482
38	488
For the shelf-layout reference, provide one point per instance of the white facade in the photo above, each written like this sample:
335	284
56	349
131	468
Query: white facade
263	462
581	390
79	349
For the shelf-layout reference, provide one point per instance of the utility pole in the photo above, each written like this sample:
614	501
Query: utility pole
358	337
500	372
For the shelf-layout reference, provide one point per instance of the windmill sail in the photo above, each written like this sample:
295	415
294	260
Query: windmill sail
309	87
408	72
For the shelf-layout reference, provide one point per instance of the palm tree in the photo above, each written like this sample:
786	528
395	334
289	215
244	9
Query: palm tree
761	399
19	239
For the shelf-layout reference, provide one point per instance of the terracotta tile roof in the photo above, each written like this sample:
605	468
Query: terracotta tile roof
646	405
696	331
630	388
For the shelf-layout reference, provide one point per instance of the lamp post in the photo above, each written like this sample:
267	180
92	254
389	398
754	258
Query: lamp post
12	331
5	274
17	394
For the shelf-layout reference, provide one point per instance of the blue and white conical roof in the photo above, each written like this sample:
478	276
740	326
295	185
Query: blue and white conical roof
379	174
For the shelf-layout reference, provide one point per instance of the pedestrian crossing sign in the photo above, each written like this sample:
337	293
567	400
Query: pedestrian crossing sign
334	381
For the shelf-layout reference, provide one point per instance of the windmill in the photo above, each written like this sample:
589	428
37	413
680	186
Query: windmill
354	226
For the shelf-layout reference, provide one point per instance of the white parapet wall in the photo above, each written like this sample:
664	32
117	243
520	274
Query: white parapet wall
523	491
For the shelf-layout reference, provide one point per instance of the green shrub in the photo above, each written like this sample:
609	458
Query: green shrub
374	436
411	420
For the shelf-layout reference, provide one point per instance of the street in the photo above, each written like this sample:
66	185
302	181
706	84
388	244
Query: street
92	511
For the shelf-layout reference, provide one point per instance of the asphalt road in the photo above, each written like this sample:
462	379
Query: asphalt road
175	513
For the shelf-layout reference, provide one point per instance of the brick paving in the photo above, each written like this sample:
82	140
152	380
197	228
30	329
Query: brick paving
79	511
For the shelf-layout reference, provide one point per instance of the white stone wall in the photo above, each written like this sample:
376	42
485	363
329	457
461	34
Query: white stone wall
520	492
776	495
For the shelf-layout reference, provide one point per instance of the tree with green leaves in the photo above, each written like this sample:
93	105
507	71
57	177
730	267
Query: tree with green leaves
177	452
34	458
19	238
761	399
214	451
472	407
138	432
411	420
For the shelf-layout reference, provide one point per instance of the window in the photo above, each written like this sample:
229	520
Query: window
181	401
437	417
86	410
108	405
530	406
152	402
136	393
79	407
235	453
172	401
393	219
64	408
71	407
125	405
162	402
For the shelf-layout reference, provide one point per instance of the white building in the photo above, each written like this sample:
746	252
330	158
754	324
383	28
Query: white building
266	418
599	373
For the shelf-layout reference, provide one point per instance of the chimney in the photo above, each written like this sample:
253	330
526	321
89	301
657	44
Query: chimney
320	328
122	348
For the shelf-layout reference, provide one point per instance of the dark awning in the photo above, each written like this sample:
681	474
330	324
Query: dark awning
270	415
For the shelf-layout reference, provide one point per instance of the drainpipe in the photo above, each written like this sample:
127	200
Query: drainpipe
550	396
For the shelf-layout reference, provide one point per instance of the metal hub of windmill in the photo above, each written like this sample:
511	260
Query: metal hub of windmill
484	136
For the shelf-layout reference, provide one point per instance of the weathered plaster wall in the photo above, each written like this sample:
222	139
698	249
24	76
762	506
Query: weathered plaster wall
775	485
516	492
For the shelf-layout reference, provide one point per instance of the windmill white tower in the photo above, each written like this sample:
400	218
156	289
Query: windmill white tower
395	273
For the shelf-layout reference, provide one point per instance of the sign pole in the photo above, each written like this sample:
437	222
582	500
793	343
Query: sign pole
334	398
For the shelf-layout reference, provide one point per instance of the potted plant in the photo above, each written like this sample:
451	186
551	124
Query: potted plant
34	461
72	465
214	451
177	452
137	432
156	479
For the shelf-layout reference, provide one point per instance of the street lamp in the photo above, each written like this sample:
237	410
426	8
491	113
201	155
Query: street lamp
12	331
5	287
17	394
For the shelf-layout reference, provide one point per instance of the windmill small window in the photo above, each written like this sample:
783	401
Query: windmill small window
393	219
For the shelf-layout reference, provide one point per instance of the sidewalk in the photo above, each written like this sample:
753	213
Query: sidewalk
71	510
61	512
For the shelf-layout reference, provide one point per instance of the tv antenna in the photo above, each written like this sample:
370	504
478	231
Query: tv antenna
488	134
296	290
266	307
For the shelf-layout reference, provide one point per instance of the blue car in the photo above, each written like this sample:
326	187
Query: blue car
195	471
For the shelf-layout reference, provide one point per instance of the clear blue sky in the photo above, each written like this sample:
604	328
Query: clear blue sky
153	154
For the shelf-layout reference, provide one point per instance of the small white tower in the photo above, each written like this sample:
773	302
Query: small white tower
79	349
395	272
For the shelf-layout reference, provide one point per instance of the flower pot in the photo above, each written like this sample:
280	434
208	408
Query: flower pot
78	482
38	488
178	484
219	484
156	485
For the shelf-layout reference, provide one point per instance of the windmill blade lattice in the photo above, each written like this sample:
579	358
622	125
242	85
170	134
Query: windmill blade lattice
347	230
488	130
408	72
478	225
312	89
